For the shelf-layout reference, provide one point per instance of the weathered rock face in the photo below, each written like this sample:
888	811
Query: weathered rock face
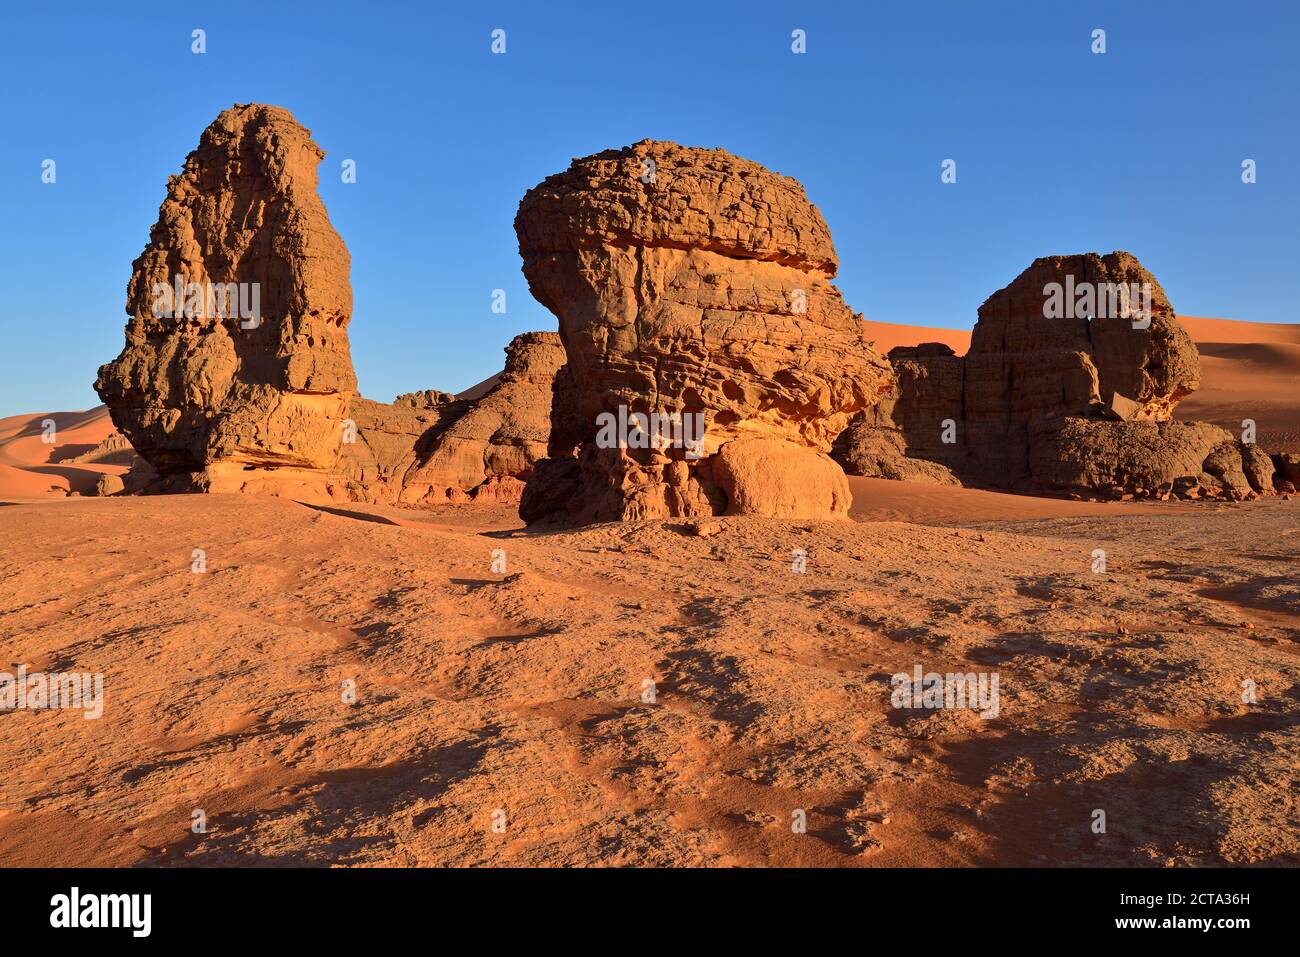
238	386
1258	468
387	441
113	449
109	485
1026	362
686	281
1142	459
1066	387
882	452
430	447
931	380
772	476
903	437
490	450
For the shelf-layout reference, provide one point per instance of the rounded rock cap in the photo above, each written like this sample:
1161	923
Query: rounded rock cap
657	193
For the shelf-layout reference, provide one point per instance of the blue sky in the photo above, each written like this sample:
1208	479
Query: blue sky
1058	150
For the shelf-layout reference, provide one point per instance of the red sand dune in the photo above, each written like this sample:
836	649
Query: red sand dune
1234	330
887	335
33	468
1249	370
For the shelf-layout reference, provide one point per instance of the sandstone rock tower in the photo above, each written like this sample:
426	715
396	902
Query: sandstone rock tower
213	396
690	281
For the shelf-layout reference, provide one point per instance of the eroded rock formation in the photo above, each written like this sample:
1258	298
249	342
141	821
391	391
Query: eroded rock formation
1026	365
113	449
888	440
690	281
1142	459
430	447
691	286
236	372
1070	384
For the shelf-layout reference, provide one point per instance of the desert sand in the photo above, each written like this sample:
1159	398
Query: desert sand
1250	370
519	692
33	468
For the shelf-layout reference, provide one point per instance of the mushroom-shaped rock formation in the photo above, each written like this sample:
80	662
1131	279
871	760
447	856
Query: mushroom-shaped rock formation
693	290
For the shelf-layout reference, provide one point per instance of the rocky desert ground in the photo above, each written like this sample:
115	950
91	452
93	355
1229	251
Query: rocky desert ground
520	693
520	690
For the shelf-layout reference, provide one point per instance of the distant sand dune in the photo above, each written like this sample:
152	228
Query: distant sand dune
887	335
480	390
1234	330
1248	371
32	468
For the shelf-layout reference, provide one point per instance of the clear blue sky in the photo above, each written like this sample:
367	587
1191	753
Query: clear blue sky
1059	150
